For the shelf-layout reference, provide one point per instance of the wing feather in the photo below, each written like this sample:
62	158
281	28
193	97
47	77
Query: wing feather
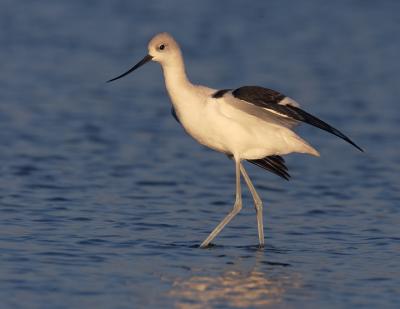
274	164
279	104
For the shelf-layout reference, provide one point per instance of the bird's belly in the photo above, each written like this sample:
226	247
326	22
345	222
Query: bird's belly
229	137
206	134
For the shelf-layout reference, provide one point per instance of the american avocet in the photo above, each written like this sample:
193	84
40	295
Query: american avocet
249	123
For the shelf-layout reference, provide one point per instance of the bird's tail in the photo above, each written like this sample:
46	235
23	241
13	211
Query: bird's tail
301	146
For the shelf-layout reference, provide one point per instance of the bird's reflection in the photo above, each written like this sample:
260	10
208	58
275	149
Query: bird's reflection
234	287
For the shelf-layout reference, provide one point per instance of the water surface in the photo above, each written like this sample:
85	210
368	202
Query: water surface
104	200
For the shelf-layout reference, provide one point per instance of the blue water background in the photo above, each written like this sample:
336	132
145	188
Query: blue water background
104	199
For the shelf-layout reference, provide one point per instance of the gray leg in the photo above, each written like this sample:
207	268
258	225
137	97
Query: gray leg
258	205
236	208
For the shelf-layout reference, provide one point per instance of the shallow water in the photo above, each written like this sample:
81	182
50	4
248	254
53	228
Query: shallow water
104	200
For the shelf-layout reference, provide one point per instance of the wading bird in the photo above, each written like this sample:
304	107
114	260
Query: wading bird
249	123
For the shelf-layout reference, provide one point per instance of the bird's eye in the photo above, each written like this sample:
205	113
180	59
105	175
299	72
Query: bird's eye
161	47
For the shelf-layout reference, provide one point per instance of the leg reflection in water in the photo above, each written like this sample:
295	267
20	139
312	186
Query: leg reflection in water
263	284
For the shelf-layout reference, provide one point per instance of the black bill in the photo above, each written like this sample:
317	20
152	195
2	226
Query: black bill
139	64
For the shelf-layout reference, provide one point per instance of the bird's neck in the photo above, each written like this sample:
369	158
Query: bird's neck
176	82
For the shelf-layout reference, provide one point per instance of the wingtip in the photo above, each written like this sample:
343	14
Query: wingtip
354	144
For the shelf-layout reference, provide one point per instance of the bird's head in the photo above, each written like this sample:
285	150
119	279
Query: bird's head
162	48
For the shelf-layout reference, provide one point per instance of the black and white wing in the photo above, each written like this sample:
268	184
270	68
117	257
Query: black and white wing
273	164
281	106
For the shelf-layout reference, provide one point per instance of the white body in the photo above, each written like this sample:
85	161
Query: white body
219	125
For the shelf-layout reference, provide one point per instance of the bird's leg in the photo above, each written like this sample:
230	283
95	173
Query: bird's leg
257	203
236	208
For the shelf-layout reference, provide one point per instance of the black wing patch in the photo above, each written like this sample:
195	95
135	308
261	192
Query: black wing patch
258	95
173	112
269	99
274	164
220	93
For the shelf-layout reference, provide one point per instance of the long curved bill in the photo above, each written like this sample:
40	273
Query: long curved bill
146	59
